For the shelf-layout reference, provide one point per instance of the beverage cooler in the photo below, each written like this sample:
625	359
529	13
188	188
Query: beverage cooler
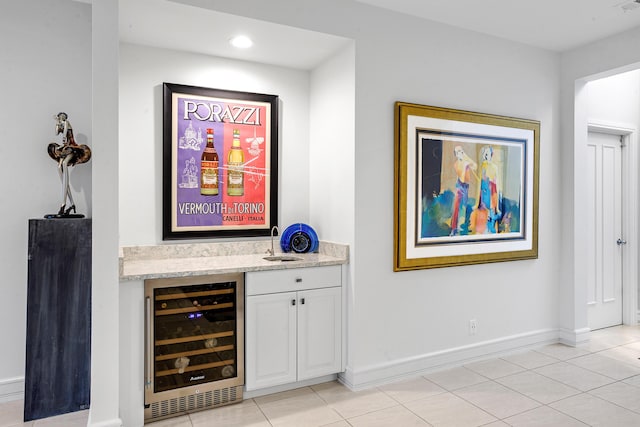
194	352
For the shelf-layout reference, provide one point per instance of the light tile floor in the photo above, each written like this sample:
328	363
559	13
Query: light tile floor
555	385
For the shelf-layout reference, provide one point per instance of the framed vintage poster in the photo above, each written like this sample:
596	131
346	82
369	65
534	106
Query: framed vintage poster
466	187
220	165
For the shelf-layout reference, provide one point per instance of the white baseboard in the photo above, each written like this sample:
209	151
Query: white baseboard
11	389
574	337
384	373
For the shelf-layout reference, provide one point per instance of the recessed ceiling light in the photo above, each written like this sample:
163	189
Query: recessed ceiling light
241	42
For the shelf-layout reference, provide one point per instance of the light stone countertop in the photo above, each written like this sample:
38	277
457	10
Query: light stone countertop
196	259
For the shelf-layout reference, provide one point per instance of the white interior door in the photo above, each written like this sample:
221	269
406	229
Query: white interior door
605	240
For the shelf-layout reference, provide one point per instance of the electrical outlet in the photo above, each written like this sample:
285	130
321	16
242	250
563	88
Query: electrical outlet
473	326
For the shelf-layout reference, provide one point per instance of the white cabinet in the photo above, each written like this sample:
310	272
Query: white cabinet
293	325
271	348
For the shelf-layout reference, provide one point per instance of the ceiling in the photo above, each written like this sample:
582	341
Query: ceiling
557	25
169	25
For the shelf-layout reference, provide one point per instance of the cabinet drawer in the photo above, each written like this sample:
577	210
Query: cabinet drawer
295	279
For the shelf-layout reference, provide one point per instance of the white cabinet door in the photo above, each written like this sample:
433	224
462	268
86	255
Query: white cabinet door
271	340
319	332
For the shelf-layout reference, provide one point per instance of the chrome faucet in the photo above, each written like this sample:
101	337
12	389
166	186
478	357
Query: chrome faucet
272	251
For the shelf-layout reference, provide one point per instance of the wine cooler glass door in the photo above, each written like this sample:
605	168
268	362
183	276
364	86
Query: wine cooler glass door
195	334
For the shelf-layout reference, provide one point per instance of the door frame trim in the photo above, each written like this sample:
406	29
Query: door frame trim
629	211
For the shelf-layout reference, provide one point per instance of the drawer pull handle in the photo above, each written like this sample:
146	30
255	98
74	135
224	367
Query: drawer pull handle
298	279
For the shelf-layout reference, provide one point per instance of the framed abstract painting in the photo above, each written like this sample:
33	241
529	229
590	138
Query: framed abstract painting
220	163
466	187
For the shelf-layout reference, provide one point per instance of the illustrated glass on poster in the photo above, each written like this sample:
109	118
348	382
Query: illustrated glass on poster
466	187
220	163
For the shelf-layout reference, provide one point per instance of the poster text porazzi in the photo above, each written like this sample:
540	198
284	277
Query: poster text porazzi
220	163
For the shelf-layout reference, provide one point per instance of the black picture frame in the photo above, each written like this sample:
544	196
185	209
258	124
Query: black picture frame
189	114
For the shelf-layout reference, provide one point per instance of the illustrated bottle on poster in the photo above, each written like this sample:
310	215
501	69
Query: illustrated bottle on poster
235	165
209	168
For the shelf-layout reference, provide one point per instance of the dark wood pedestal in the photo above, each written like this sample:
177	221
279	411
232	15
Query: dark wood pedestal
58	353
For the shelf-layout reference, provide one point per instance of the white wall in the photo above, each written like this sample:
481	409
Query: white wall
332	158
46	68
142	72
615	100
331	151
403	316
105	248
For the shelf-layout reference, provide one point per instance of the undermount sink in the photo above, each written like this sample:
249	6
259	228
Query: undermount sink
282	258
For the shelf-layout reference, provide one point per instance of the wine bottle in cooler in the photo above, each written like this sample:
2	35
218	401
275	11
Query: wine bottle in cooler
209	168
235	166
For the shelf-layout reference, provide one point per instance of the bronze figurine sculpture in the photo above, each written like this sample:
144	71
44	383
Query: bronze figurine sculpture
67	154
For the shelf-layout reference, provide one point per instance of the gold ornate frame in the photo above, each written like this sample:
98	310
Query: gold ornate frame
419	128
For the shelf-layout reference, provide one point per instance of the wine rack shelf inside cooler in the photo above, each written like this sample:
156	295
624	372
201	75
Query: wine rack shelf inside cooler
195	338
